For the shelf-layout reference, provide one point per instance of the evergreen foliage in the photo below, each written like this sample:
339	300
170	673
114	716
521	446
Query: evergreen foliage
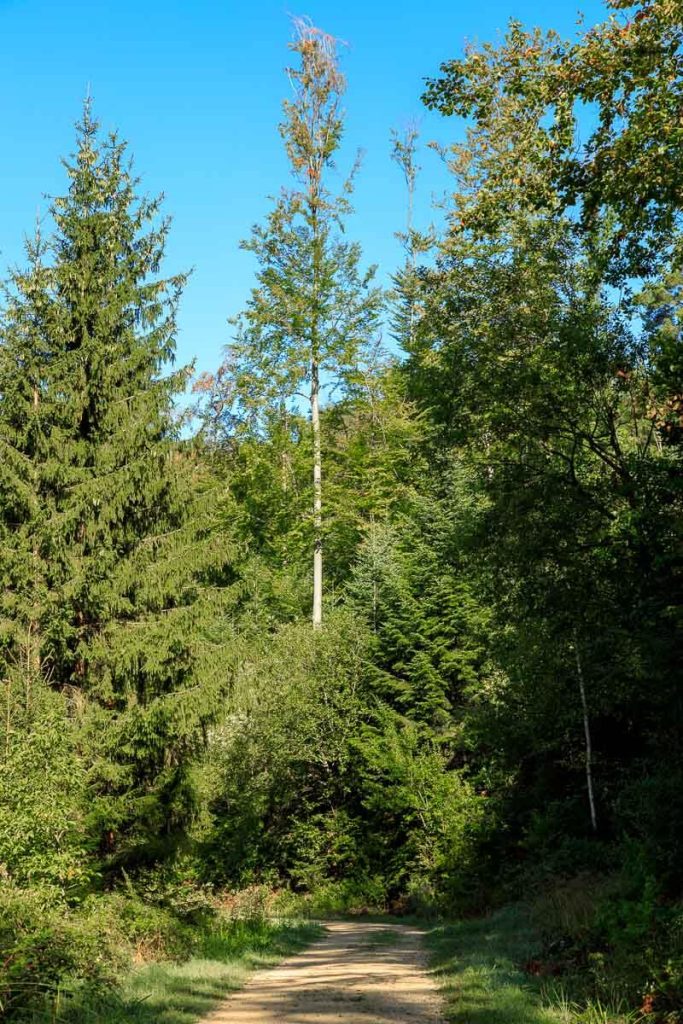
491	708
112	579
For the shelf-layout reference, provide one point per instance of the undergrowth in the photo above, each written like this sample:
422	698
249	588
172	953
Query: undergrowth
121	958
577	953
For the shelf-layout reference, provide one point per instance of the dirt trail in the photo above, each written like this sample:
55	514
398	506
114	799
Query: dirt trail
358	973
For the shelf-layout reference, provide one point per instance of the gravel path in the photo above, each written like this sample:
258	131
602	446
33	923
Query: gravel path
358	973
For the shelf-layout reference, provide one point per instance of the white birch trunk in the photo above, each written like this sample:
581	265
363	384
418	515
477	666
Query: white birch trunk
317	498
587	733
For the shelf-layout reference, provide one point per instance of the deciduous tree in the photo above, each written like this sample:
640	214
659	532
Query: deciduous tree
314	311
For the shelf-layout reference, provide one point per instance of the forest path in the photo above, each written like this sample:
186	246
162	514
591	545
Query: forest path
358	973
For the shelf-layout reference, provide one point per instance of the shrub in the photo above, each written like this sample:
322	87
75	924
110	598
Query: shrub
41	946
174	886
43	833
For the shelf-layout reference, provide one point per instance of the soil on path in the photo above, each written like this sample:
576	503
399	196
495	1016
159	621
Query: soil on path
358	973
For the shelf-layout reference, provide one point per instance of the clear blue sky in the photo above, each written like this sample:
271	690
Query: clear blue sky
196	88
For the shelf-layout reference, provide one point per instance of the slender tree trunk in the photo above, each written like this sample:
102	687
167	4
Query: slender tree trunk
8	714
317	498
29	667
587	732
374	572
32	640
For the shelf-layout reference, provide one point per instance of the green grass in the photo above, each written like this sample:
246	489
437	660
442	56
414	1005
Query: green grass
172	993
478	963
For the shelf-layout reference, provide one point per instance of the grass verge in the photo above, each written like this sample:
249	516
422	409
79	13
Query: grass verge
182	993
478	963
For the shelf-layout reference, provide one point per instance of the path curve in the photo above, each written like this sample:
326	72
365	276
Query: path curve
358	973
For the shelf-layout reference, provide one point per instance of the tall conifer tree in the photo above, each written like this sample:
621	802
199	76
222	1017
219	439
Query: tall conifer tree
107	560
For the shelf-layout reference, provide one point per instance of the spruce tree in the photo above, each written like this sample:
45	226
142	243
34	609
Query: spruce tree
112	577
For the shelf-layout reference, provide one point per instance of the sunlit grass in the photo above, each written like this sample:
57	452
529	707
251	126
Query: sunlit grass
479	964
182	993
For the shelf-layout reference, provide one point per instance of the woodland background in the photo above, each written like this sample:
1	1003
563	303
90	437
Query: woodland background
391	619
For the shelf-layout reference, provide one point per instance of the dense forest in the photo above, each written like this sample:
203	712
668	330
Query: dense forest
390	618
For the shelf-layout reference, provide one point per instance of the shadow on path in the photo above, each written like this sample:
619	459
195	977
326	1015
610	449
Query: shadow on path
359	973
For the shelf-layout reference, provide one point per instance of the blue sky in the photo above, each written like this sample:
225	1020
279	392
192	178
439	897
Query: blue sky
196	88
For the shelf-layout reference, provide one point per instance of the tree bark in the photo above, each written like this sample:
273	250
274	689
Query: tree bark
317	498
587	733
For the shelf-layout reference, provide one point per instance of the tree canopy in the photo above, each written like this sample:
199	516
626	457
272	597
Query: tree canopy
489	708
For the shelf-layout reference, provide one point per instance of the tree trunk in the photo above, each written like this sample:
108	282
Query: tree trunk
587	732
317	498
